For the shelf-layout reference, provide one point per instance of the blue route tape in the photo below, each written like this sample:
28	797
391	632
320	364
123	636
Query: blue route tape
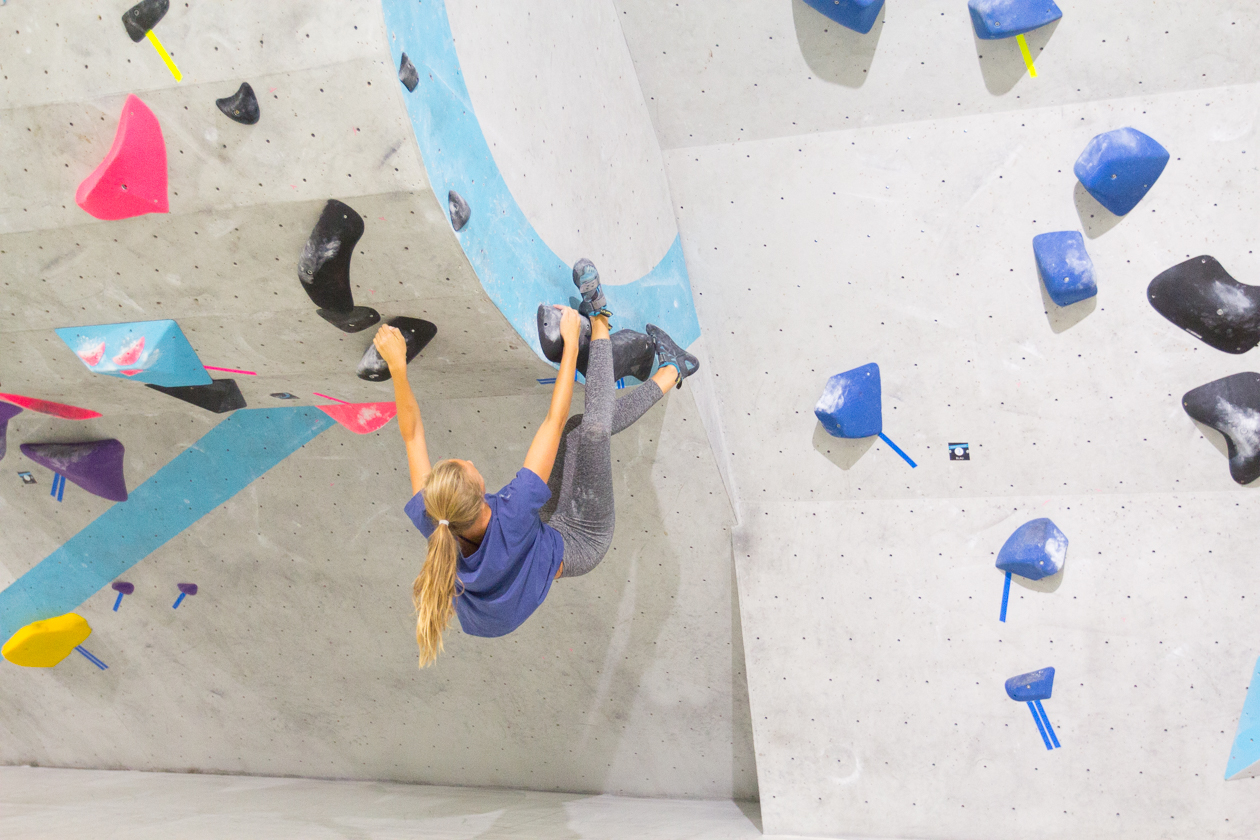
1006	594
897	449
1046	718
1040	728
90	658
118	602
179	600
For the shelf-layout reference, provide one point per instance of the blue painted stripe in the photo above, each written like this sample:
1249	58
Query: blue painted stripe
118	602
1040	728
897	449
179	600
516	268
224	462
1006	594
1045	718
90	658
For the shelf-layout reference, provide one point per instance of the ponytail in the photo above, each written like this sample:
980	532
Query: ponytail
454	502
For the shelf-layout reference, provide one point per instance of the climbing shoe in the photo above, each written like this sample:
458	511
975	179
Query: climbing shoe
669	353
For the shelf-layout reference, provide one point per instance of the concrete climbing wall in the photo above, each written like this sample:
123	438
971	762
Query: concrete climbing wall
849	199
296	657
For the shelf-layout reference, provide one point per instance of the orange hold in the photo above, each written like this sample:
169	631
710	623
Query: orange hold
131	181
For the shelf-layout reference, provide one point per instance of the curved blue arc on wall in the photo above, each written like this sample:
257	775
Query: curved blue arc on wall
516	268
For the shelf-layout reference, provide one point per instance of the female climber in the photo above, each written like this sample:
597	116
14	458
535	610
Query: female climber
492	558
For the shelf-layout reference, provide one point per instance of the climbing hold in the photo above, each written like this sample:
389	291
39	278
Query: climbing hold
1036	550
1201	297
415	331
96	466
1244	757
407	74
858	15
995	19
633	352
143	16
324	268
185	589
131	181
42	644
361	418
241	106
851	405
7	413
356	320
283	395
1232	407
1120	167
65	412
220	396
460	211
1065	267
122	587
155	352
1036	685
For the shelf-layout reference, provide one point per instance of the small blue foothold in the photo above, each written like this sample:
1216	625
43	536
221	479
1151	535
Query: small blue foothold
1065	267
851	406
1036	550
1120	167
1037	685
858	15
995	19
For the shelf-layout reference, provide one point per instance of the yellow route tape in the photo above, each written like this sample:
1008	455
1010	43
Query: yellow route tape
161	50
1023	48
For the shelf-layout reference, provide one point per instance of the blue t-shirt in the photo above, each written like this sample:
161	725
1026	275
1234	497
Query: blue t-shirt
510	573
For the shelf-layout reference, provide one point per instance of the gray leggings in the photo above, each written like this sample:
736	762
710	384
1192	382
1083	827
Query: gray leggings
581	505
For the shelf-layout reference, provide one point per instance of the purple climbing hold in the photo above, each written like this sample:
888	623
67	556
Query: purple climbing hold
7	412
96	466
187	588
123	587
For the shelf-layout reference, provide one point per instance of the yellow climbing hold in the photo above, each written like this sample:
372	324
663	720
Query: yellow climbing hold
42	644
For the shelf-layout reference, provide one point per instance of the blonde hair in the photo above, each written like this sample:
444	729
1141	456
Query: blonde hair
450	495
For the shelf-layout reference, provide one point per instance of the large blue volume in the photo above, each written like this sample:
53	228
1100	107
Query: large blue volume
1065	266
995	19
1245	755
1036	685
852	403
225	461
1036	550
858	15
1120	167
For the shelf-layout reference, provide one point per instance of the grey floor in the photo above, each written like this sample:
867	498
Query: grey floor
67	804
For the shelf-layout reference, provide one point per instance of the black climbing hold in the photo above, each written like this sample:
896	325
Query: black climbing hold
357	319
1232	407
220	396
460	211
143	16
417	333
1202	298
407	74
324	267
633	352
241	106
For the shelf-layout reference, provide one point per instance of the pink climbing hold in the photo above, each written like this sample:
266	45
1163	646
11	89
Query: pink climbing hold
361	418
131	181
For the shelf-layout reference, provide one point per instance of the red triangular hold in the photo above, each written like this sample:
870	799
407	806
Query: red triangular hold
361	418
131	181
65	412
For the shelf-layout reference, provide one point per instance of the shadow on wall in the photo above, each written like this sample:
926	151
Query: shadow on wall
834	52
1001	62
1095	219
1063	318
843	452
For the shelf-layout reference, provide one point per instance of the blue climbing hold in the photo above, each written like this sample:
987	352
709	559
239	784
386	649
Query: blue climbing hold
1037	685
858	15
851	406
1120	167
1036	550
995	19
1065	267
1245	756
